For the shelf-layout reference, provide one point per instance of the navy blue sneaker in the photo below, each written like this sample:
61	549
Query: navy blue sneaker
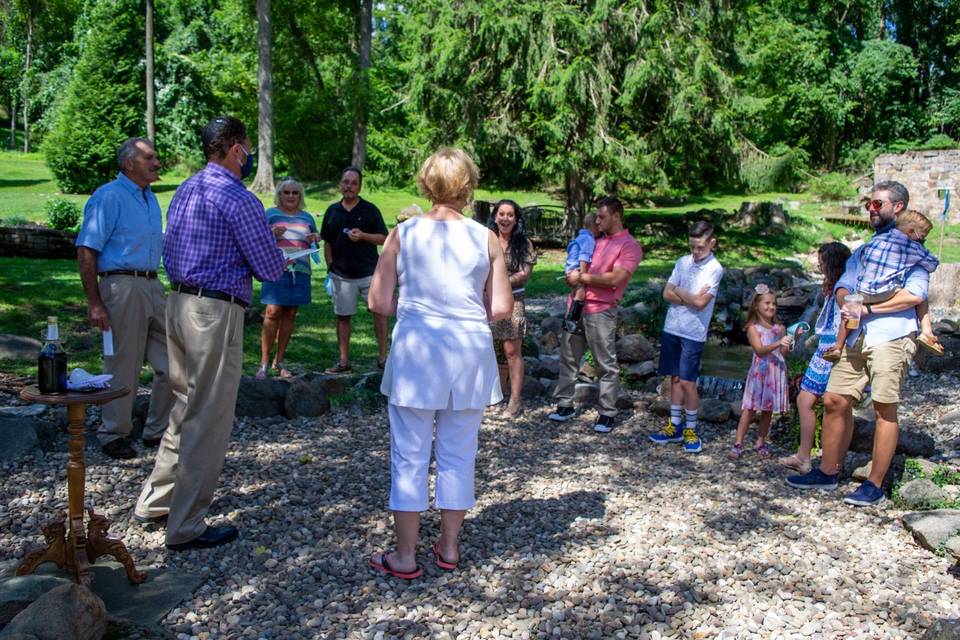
669	433
866	496
691	441
815	479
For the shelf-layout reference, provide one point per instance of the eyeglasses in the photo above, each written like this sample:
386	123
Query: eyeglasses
290	193
873	205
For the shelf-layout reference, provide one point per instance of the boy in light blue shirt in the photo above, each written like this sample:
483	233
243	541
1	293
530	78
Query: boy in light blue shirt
579	257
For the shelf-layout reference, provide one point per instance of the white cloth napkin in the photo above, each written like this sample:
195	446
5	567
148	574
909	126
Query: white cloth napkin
81	380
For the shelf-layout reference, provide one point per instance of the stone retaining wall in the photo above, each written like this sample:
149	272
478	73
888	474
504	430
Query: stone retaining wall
37	242
920	171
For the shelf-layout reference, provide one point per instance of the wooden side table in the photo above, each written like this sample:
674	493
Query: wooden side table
77	548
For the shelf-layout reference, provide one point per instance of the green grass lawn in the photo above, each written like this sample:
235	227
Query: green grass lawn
34	289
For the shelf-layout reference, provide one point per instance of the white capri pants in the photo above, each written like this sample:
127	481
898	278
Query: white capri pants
411	437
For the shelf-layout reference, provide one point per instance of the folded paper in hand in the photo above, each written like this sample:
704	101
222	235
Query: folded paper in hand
81	380
300	254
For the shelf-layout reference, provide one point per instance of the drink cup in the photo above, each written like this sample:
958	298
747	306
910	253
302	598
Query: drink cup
853	305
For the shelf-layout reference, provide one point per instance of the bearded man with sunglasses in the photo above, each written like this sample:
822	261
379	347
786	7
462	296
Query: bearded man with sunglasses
217	239
878	352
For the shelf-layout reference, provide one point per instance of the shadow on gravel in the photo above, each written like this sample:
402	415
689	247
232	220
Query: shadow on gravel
537	526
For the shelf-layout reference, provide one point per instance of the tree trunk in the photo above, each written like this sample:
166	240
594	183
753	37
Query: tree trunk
25	85
576	199
364	35
151	124
264	181
13	121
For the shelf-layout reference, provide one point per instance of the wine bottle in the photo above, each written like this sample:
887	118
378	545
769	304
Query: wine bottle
52	363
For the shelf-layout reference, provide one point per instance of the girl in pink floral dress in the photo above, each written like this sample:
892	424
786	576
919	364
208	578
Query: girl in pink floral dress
765	390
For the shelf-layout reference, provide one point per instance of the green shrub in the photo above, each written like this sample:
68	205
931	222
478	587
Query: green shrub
833	186
104	103
63	214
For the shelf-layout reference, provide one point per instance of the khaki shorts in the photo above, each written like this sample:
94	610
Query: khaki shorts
346	291
882	366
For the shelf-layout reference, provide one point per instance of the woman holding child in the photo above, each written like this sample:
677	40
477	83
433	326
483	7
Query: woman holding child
832	258
507	223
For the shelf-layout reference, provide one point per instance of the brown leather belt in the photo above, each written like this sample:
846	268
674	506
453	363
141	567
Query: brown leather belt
200	292
149	275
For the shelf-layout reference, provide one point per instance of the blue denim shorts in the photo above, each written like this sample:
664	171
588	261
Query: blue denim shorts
680	357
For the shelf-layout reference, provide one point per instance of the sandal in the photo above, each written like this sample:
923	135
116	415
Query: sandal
261	372
735	452
796	463
384	567
513	410
933	345
282	370
382	364
763	451
441	563
339	368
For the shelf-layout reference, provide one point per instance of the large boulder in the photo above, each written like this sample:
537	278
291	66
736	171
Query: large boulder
586	393
67	612
552	324
921	494
306	399
532	388
635	348
21	429
948	363
547	367
909	443
943	629
18	347
261	398
931	529
638	372
712	410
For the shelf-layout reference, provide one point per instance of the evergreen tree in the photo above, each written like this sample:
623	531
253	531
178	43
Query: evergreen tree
105	99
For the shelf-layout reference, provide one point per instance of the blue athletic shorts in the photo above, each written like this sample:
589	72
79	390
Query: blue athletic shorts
680	357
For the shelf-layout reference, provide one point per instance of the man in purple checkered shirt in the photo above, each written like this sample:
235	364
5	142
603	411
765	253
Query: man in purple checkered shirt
217	238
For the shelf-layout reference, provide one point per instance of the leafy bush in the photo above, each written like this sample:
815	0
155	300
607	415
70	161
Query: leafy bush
15	221
62	214
833	186
104	101
778	171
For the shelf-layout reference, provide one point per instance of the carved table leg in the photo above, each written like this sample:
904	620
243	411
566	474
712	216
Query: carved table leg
55	533
76	479
99	544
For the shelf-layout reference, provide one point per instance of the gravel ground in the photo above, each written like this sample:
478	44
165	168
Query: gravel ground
575	535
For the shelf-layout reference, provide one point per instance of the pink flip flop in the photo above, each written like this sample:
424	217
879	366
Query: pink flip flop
384	567
443	564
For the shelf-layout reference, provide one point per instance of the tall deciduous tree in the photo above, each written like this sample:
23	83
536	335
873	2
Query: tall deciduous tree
264	180
364	25
148	80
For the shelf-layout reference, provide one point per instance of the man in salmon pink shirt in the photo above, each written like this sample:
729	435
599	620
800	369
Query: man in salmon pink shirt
615	259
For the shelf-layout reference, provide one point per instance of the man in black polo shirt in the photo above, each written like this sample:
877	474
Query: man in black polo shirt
351	231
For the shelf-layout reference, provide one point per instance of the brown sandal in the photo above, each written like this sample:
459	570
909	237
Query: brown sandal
933	346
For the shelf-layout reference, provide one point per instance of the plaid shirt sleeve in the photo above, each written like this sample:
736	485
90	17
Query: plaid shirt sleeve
255	240
917	255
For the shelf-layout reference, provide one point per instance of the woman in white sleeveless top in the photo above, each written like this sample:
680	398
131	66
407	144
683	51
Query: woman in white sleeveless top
442	370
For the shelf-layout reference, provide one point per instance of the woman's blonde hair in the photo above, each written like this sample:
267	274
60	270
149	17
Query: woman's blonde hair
449	175
285	183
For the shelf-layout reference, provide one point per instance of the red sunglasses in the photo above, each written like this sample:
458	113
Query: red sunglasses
871	205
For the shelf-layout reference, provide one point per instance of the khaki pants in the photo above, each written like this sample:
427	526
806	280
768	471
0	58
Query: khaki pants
205	343
600	331
882	366
136	307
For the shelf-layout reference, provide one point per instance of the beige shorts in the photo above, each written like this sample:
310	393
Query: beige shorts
883	366
346	291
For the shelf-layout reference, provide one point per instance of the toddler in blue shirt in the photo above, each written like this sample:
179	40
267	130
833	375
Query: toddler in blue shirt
579	256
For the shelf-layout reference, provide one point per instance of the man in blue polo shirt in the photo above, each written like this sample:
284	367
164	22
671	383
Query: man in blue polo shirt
878	352
119	243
